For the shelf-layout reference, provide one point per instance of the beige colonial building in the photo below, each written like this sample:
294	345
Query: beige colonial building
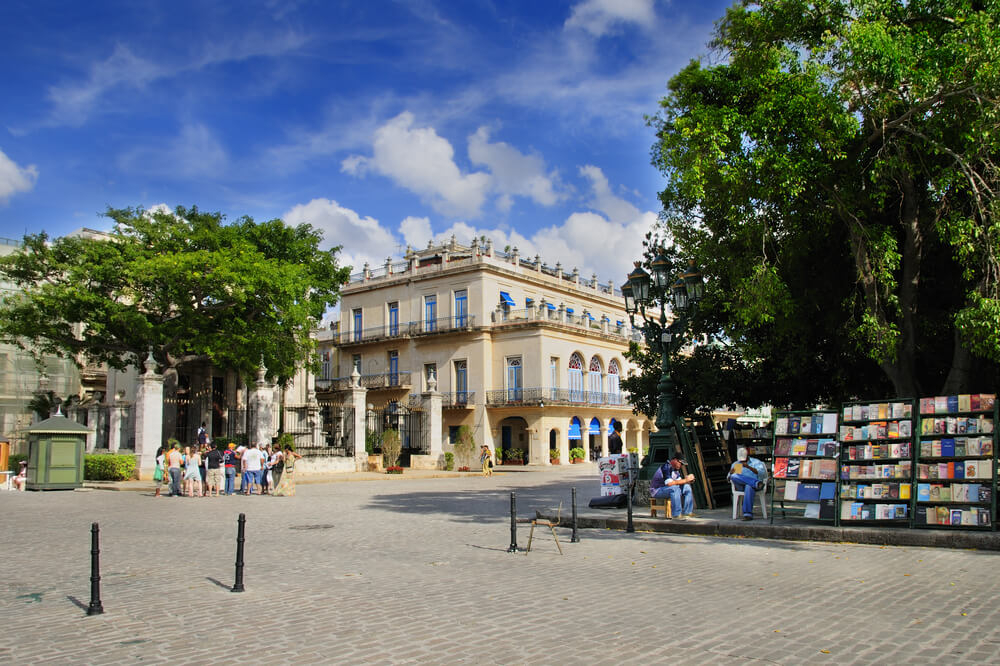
529	356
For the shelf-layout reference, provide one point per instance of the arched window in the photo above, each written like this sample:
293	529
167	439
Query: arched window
595	383
575	383
614	384
574	428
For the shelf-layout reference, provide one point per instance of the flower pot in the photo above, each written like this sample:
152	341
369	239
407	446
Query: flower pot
554	461
577	460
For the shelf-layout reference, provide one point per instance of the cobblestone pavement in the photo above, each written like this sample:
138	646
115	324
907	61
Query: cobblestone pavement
416	571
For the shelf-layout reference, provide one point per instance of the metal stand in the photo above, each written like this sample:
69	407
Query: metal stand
513	524
240	530
95	608
575	538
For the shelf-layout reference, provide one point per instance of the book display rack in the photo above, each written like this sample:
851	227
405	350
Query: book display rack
956	462
806	456
876	462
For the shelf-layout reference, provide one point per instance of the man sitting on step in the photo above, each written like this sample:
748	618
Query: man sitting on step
670	482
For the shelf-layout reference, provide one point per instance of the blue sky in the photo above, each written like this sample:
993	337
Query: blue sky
381	123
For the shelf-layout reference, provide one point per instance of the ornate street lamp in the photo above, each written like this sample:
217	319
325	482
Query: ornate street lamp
681	294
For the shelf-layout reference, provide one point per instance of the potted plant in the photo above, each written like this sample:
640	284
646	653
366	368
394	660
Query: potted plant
373	447
514	457
576	455
449	461
554	456
393	469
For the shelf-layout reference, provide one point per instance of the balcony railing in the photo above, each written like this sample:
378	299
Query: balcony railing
406	329
459	400
552	396
382	380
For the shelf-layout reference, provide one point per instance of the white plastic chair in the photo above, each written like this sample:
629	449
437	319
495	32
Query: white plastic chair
738	499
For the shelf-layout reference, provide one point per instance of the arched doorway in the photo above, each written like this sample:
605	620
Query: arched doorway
514	437
594	438
575	433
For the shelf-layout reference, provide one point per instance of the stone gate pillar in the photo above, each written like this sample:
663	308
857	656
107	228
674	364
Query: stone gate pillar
148	418
262	398
430	425
356	397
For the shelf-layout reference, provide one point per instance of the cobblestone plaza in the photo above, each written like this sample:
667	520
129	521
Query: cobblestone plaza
409	570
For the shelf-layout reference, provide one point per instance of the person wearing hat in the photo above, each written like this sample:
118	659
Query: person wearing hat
670	482
229	466
749	475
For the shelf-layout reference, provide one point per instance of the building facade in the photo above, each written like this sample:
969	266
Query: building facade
528	356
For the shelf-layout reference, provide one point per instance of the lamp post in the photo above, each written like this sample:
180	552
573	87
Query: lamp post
645	292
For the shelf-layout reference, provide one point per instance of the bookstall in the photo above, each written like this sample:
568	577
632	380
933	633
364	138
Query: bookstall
876	462
805	464
956	462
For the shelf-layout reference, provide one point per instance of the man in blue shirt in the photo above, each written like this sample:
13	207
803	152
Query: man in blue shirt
749	475
670	482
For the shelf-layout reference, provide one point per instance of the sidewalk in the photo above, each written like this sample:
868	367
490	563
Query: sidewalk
720	523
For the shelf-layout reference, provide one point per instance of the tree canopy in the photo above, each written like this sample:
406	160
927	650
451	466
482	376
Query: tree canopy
184	284
835	173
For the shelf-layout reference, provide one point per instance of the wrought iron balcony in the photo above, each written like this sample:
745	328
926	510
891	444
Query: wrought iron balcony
384	380
459	400
552	396
405	329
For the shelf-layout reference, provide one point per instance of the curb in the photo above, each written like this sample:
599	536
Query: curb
859	535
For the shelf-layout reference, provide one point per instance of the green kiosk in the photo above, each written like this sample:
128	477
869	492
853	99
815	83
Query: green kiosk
55	454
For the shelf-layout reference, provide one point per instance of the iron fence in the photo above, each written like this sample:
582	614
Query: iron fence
407	421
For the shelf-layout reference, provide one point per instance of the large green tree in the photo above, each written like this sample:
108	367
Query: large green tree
835	172
185	284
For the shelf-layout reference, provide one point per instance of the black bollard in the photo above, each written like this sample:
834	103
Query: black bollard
95	608
513	523
575	538
630	527
241	526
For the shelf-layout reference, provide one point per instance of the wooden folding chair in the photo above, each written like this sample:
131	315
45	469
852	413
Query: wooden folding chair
551	524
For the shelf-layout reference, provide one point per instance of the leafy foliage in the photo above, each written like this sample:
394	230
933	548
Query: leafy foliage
392	446
108	467
836	178
185	284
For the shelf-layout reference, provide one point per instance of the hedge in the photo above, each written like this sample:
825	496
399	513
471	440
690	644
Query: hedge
108	467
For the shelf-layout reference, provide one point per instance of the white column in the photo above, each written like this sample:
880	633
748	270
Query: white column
431	424
92	413
356	398
262	430
148	418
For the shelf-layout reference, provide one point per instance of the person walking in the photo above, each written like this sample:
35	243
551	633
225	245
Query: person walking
286	486
174	461
486	458
192	472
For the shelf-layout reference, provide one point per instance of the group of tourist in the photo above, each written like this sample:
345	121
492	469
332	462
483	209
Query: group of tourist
203	469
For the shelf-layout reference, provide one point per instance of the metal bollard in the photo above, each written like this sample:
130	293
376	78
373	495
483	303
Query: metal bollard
630	527
575	538
95	608
241	526
513	523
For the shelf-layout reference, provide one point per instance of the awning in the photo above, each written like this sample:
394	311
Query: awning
550	306
529	301
506	299
618	323
569	310
590	317
574	428
595	427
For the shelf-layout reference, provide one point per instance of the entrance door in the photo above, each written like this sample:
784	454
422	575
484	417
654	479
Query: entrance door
505	439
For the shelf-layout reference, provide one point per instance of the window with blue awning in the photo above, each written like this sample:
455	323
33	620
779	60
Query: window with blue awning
595	427
506	299
569	310
574	428
551	307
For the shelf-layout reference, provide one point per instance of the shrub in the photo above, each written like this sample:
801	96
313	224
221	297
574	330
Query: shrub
465	445
577	453
14	461
553	454
515	455
449	460
108	467
392	446
373	442
393	469
286	439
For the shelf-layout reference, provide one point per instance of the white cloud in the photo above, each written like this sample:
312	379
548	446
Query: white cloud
14	178
615	208
514	173
416	231
363	238
599	17
423	162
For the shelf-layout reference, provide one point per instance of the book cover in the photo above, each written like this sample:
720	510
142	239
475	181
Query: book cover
974	402
893	432
932	515
926	426
986	426
986	401
923	492
816	425
944	493
827	509
983	517
920	517
952	404
927	405
986	446
882	410
799	447
947	447
808	492
985	493
972	425
951	425
959	469
792	471
940	404
811	447
845	510
791	490
896	410
956	517
827	491
829	423
899	511
944	515
780	468
794	423
812	511
935	492
964	402
905	491
961	446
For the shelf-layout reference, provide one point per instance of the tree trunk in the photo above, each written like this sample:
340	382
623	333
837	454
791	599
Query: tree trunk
959	374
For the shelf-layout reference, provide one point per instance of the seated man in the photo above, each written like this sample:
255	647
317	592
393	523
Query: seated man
670	482
749	475
20	482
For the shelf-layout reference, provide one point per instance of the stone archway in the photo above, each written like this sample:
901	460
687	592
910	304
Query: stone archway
514	436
